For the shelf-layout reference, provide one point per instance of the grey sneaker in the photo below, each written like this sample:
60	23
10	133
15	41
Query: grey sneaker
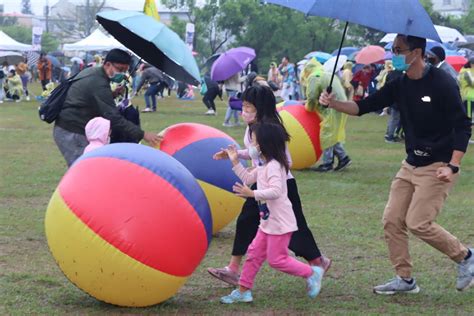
397	285
465	273
236	297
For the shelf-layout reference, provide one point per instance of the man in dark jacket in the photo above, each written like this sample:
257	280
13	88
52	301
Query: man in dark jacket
437	132
91	96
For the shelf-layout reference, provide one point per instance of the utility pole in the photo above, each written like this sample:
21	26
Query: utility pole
46	14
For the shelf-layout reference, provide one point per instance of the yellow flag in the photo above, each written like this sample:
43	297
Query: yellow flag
150	9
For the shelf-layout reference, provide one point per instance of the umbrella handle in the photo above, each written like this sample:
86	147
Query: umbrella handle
328	90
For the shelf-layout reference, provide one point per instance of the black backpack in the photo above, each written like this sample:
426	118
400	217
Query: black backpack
51	107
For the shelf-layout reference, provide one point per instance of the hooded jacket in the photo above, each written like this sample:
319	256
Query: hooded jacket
97	133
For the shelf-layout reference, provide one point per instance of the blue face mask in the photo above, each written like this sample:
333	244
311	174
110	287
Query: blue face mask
399	63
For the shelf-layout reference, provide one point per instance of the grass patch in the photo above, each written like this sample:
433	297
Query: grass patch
344	211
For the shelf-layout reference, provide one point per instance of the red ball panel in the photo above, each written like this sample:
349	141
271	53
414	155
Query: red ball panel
136	211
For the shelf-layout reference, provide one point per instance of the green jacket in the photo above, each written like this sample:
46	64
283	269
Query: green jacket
89	97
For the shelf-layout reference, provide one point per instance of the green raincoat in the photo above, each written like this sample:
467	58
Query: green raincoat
314	80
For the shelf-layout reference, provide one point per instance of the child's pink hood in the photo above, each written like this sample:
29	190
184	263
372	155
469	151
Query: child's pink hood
97	133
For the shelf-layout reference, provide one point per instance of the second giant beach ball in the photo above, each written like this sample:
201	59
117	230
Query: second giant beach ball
128	224
194	145
304	129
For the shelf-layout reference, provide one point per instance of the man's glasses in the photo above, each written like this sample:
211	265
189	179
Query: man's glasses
398	50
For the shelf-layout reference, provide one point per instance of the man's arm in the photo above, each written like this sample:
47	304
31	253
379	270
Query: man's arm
377	101
348	107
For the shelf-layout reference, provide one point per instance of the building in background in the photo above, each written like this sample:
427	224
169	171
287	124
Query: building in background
451	7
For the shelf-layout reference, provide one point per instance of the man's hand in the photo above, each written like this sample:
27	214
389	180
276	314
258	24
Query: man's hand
445	174
242	190
153	139
325	98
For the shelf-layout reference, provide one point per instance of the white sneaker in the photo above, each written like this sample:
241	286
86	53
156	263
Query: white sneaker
18	101
27	98
209	112
227	124
147	110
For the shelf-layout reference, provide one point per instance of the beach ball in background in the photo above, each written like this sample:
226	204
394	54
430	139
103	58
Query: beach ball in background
194	145
128	224
304	129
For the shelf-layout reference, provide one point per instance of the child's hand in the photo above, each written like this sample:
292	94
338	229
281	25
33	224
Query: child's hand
242	190
232	154
222	154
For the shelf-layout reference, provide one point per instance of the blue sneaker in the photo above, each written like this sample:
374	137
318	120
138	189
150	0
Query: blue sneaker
314	281
236	296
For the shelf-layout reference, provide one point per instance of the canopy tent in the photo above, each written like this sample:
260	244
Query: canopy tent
11	58
8	43
447	35
97	41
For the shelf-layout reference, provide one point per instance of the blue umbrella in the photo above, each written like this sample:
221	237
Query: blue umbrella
153	41
54	61
322	57
392	16
346	51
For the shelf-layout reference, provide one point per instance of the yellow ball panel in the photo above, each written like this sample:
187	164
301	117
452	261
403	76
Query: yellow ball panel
300	145
225	206
100	269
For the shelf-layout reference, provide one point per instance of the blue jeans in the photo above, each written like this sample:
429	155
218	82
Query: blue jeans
230	112
393	122
328	154
151	94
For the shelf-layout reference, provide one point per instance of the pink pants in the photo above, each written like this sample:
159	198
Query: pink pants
273	248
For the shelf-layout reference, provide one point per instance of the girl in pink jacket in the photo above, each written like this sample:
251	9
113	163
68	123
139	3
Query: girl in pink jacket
97	133
278	221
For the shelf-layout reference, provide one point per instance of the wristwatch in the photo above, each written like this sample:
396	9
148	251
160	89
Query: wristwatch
453	168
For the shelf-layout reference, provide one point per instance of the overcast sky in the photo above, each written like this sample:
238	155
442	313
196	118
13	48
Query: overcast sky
38	5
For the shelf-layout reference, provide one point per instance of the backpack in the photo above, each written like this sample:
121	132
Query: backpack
52	106
203	87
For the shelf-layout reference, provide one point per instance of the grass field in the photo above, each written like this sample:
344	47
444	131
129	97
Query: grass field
343	209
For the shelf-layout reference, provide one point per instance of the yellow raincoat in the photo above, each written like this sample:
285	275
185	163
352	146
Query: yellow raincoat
14	85
314	80
466	81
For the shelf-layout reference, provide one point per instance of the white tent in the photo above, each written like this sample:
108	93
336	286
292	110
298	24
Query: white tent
8	43
446	34
96	41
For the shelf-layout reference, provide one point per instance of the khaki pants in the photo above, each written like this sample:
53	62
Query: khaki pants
416	198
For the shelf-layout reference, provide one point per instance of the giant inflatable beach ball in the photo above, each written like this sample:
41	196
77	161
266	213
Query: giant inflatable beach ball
304	129
194	145
128	224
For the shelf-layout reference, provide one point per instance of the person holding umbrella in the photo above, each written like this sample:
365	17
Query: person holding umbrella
437	132
45	70
90	96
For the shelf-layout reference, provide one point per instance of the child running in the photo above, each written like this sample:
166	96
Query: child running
259	105
278	221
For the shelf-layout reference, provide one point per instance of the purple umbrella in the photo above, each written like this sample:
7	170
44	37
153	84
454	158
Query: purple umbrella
231	62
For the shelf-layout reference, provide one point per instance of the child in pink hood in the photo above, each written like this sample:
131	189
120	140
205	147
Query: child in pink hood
97	133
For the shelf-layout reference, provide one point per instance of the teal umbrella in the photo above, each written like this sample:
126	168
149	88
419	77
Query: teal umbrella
153	41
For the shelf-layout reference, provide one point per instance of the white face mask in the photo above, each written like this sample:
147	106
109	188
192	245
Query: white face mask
254	153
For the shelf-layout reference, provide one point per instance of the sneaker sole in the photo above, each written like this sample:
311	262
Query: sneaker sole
468	286
244	301
344	167
414	291
224	279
